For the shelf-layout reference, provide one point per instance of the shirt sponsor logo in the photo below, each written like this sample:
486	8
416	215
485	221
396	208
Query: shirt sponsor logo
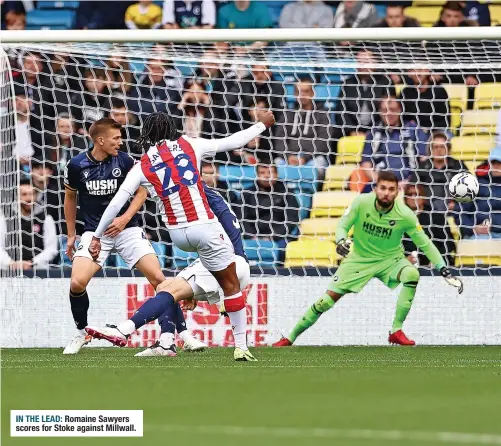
101	187
377	231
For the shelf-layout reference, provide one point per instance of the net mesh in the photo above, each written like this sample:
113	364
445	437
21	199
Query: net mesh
343	111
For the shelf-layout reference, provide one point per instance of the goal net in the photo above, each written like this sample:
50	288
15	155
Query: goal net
345	110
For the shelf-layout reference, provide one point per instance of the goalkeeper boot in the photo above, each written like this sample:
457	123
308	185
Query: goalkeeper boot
75	345
192	344
158	350
399	338
243	355
110	333
283	342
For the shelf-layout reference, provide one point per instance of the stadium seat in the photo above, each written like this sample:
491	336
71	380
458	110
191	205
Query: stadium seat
187	69
275	8
337	175
427	15
349	149
487	96
479	122
331	204
160	251
49	19
65	260
454	228
472	165
458	97
428	2
238	177
319	228
181	259
262	252
327	94
335	75
58	5
478	252
470	148
310	253
495	11
399	88
302	180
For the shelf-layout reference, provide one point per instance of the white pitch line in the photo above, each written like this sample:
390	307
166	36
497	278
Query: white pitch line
327	433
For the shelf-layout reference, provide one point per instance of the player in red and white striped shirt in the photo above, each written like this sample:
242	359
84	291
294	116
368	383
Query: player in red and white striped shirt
171	171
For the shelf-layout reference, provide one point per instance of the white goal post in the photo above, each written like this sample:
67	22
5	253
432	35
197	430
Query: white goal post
334	92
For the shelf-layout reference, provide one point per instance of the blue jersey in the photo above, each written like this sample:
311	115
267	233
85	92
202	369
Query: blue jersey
227	218
97	183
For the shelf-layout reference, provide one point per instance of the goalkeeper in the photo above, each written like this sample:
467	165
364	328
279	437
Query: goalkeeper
379	220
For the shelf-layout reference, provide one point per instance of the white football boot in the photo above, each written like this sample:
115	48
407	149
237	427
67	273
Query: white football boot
192	344
76	344
158	350
110	333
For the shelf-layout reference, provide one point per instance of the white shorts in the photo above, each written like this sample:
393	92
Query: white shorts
210	241
205	286
131	244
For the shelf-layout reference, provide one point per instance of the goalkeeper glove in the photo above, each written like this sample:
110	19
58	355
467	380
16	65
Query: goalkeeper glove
451	280
343	247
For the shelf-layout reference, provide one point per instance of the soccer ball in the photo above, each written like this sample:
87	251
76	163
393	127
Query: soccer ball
463	187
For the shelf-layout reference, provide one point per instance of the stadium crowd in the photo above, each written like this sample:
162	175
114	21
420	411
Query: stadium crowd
404	119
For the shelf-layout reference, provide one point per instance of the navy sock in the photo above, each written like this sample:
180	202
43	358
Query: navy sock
162	303
166	326
79	303
179	320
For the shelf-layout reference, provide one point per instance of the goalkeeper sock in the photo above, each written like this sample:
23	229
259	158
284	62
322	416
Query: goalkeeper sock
311	316
79	303
410	278
162	303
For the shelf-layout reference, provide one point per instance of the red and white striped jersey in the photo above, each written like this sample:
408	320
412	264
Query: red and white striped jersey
173	169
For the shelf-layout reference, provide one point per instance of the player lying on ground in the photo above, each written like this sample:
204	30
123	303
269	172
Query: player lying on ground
172	168
379	220
195	282
95	177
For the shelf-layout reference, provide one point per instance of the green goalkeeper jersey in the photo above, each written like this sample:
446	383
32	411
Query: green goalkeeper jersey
378	235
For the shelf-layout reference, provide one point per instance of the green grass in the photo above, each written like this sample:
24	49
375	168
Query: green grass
298	396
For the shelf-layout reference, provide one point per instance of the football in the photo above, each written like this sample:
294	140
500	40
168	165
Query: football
463	187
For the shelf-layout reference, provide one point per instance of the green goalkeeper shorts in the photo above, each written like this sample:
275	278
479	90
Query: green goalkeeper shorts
354	273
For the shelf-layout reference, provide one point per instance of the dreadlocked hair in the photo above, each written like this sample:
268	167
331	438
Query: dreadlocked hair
158	126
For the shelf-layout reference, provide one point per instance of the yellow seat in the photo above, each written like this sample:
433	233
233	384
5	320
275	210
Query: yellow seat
310	253
479	122
471	148
454	228
319	228
495	11
336	176
399	88
488	96
349	149
428	2
471	165
331	204
478	252
458	99
427	15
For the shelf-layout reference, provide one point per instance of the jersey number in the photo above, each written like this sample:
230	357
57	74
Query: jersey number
185	169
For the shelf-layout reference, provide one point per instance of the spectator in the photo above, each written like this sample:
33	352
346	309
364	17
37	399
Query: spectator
260	85
269	210
38	240
452	15
15	20
475	11
481	218
130	132
393	145
119	74
435	172
158	89
425	101
356	111
24	148
395	18
245	14
306	14
210	175
93	102
189	14
355	14
434	224
143	15
101	15
303	134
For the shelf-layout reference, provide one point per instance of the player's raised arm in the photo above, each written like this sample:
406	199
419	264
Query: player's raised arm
345	224
423	242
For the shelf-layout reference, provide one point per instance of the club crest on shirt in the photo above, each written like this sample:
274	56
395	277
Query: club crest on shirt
392	223
116	172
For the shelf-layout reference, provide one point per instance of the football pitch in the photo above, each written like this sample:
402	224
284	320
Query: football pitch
346	396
